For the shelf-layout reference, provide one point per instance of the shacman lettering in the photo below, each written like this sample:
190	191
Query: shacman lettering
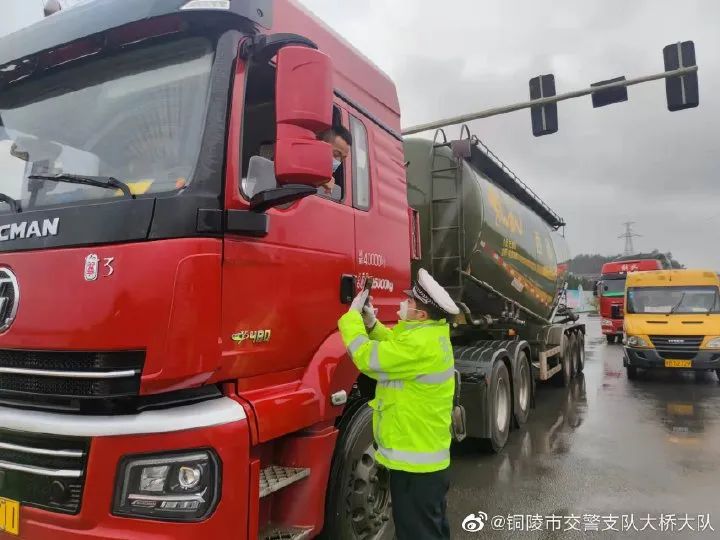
29	229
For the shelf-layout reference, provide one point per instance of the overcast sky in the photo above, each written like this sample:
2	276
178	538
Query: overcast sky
632	161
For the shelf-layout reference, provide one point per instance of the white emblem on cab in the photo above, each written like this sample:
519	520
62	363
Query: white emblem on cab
91	267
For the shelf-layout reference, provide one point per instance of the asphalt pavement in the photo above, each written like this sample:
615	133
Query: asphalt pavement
606	458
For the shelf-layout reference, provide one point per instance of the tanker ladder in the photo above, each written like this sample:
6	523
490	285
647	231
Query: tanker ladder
446	192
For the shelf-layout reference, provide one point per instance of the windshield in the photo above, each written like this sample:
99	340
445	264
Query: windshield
673	300
613	287
137	117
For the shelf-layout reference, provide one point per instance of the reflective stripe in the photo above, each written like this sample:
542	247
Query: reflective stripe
416	458
436	378
356	343
395	385
375	362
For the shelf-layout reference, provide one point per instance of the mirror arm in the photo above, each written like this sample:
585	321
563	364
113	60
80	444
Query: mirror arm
262	49
270	198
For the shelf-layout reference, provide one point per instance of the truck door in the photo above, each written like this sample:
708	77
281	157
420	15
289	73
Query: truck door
381	212
281	292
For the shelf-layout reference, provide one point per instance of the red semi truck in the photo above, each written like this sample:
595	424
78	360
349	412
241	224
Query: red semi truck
170	365
610	290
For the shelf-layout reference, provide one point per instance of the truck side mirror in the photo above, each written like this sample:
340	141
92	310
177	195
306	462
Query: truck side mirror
304	98
595	288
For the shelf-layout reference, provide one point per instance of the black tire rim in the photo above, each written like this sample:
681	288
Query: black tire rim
369	507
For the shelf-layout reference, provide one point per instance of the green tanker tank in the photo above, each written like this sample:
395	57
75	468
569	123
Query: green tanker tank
483	232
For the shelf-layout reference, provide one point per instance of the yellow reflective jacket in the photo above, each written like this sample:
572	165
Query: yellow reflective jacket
414	366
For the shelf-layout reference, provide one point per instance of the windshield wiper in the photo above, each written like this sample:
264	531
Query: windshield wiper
677	305
107	182
715	299
12	203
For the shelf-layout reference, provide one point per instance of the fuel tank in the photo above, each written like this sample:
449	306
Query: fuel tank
477	218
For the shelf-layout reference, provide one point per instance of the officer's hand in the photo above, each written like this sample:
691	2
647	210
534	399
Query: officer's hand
358	302
369	315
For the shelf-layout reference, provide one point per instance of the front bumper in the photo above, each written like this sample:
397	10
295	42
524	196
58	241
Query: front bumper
650	358
112	438
615	328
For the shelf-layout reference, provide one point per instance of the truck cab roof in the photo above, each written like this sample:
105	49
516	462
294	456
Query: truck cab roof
665	278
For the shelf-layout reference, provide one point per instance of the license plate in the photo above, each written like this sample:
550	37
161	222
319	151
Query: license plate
680	409
678	363
9	516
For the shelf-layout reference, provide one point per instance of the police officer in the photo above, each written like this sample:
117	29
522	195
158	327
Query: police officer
414	368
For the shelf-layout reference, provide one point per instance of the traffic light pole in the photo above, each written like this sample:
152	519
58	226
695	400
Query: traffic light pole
544	101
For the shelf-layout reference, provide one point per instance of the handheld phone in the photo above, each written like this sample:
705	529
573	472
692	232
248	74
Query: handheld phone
368	287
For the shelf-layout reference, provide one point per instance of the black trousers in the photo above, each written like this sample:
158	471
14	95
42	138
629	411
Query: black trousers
419	505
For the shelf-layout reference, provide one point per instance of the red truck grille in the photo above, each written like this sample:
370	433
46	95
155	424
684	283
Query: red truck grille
68	381
43	471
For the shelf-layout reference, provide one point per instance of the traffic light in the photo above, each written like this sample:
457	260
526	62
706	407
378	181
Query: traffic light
609	96
682	91
544	117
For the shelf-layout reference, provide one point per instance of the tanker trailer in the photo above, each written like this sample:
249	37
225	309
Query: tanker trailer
494	244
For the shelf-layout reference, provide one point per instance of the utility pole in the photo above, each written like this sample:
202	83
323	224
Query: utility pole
628	236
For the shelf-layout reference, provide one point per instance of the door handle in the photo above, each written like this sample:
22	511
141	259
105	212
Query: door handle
347	288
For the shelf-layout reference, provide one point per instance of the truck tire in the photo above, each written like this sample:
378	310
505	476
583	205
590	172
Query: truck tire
357	504
580	353
500	403
717	373
563	378
632	372
522	390
610	338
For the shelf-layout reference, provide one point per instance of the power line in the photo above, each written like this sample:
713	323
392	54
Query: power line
628	236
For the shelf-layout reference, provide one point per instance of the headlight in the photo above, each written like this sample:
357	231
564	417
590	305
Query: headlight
606	322
170	487
636	341
714	343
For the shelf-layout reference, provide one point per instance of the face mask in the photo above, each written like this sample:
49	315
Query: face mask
336	164
405	310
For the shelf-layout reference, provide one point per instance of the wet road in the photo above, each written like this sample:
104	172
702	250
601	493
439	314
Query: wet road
607	447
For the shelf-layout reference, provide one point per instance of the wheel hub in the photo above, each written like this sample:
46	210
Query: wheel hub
369	505
502	405
524	387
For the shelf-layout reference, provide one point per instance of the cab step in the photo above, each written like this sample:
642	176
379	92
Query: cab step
290	533
275	478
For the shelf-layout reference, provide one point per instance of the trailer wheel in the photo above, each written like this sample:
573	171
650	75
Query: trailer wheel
632	372
580	353
522	389
565	375
358	502
500	402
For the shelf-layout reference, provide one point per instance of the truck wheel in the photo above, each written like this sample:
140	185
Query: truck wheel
565	375
580	353
632	372
717	372
522	388
500	403
358	502
610	338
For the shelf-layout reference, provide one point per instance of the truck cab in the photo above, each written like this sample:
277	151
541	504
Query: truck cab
170	359
672	321
610	290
